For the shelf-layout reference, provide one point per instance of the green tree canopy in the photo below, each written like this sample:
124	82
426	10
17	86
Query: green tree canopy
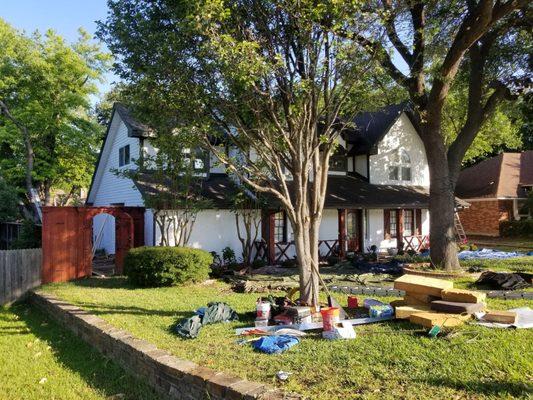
46	86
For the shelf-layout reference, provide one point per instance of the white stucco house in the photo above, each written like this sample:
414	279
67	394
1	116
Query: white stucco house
377	191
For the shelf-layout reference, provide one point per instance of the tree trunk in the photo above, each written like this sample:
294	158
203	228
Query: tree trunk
307	255
443	247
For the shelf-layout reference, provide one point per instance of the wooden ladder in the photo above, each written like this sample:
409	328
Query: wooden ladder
459	230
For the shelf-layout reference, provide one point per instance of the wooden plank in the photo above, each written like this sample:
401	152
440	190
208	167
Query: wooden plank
430	319
463	296
503	317
404	312
457	308
422	284
419	299
312	325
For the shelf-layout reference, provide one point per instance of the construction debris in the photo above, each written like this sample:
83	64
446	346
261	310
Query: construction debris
341	330
431	319
463	296
503	280
422	285
423	294
523	320
457	308
503	317
404	312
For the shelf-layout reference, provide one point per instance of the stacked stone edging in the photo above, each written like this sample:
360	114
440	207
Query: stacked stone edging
168	375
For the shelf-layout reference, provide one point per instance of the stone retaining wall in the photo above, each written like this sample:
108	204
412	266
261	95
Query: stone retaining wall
173	377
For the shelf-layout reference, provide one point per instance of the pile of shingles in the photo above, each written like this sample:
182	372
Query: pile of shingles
430	301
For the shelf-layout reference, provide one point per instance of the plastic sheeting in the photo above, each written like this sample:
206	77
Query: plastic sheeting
488	254
524	319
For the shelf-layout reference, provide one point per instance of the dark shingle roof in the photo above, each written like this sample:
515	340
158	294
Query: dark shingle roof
502	176
218	188
370	127
135	128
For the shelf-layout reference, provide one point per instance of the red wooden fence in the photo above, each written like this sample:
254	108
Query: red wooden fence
67	239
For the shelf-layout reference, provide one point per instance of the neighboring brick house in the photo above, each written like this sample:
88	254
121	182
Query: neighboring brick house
496	189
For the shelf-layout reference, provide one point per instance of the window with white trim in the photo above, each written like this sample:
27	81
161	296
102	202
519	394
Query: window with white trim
400	168
124	155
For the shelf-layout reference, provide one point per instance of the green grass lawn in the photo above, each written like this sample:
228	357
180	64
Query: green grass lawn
40	360
518	264
387	361
523	244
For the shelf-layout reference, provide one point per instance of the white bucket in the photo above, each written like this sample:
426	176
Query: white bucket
263	310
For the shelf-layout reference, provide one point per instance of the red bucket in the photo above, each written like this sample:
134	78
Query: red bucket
352	302
330	316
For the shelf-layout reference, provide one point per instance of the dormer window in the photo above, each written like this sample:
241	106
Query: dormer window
124	155
337	161
198	158
400	168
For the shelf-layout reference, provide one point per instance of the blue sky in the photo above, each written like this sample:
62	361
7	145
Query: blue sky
63	16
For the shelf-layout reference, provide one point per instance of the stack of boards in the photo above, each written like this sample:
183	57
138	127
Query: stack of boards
430	301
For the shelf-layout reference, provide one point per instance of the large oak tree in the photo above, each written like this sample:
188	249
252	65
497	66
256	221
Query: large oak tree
427	47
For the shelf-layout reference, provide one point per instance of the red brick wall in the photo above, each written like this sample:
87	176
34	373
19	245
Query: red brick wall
483	217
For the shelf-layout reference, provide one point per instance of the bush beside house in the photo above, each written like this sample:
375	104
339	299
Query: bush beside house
166	266
522	228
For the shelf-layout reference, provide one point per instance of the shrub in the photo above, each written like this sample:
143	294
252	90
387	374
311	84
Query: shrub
333	260
289	263
166	266
228	256
523	227
259	263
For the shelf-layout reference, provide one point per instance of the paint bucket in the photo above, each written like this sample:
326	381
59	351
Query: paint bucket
352	302
330	316
263	310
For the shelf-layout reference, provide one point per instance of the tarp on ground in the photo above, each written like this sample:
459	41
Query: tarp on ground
488	254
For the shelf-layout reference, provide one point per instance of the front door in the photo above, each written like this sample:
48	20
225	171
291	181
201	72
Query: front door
353	230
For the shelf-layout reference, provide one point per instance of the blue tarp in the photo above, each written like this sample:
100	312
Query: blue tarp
275	344
489	254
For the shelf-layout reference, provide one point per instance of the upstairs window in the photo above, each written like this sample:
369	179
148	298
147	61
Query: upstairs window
197	158
124	155
400	168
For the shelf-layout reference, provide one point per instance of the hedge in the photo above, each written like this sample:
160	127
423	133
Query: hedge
522	228
166	266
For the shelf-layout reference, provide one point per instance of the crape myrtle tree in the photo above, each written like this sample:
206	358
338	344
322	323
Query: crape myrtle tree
426	47
270	77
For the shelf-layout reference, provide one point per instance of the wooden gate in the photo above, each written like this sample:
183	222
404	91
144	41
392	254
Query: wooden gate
67	239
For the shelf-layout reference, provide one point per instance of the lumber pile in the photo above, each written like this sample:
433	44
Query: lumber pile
434	302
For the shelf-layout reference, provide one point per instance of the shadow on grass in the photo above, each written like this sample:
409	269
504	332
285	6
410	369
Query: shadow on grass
499	388
118	282
99	372
99	309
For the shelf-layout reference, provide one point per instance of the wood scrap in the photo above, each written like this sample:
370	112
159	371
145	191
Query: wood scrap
431	319
502	317
420	299
456	308
422	284
404	312
463	296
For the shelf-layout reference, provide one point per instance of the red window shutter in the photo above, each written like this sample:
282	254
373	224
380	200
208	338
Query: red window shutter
386	223
418	219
